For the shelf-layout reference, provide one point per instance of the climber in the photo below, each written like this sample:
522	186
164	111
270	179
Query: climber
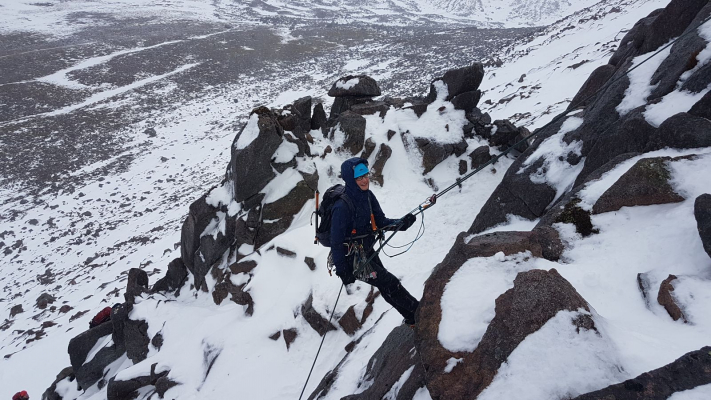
356	229
21	396
100	317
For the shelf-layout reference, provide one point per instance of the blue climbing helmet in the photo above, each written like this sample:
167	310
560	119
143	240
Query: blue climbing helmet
360	170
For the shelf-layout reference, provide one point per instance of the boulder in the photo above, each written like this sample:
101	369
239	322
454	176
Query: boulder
376	171
318	118
44	299
238	295
460	80
480	156
243	267
516	195
595	81
631	136
343	104
702	108
463	167
702	212
645	287
136	340
572	213
505	135
666	299
200	214
289	336
93	371
128	389
537	296
81	345
389	363
310	262
371	108
353	127
682	57
646	183
349	322
174	278
689	371
136	285
368	148
315	320
434	153
466	101
249	167
355	85
16	309
50	393
681	131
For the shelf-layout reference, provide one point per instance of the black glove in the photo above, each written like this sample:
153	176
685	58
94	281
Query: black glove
407	221
346	276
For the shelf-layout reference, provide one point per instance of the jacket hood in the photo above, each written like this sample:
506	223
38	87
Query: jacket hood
347	174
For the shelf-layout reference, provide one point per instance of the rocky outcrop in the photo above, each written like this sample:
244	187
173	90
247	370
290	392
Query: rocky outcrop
537	296
174	278
199	252
689	371
646	183
352	127
460	81
250	164
667	300
603	132
702	212
349	321
320	324
434	153
127	390
376	171
396	359
350	91
65	374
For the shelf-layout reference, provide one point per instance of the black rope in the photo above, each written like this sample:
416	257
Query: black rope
333	311
420	234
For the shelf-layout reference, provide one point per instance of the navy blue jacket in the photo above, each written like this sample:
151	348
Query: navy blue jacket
343	222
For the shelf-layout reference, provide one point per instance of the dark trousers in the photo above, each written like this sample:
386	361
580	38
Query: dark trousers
393	292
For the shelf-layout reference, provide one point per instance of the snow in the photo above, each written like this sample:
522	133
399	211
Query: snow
451	363
640	86
395	389
556	171
347	84
702	392
355	65
250	132
220	195
285	152
468	299
673	103
281	185
60	77
582	362
107	94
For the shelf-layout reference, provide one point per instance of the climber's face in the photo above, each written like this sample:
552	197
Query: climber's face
363	182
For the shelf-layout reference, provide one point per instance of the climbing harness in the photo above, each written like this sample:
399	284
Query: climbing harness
432	200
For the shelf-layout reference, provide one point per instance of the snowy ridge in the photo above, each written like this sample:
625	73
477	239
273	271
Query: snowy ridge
220	351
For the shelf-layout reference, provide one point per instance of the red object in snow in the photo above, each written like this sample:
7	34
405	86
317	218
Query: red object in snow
101	317
21	396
